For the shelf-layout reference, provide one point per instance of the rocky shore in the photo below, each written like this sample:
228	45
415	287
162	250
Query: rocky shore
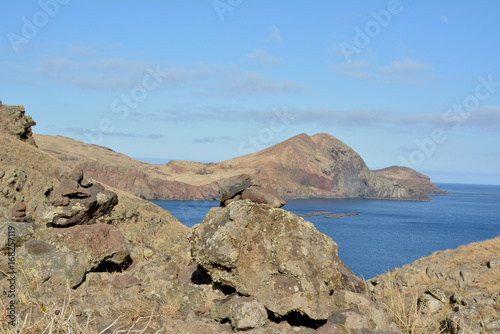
79	256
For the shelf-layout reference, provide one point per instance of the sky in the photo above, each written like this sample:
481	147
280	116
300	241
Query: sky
410	83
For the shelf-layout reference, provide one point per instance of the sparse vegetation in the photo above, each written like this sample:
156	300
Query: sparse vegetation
204	171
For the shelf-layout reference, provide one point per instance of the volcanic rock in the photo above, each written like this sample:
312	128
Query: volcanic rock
14	122
244	187
243	312
13	235
279	259
101	244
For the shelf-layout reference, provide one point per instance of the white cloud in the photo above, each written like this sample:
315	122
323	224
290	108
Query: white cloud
261	57
444	18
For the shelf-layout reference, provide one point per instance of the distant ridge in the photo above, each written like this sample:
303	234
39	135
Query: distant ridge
318	166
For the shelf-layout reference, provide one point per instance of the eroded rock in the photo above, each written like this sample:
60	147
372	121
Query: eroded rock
274	256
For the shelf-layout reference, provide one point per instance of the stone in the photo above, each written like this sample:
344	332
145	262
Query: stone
428	304
272	255
243	312
37	247
493	263
19	212
125	281
244	187
101	244
14	232
70	170
71	189
54	268
350	318
435	291
262	193
328	328
85	210
232	187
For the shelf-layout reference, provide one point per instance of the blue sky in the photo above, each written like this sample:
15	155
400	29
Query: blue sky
412	83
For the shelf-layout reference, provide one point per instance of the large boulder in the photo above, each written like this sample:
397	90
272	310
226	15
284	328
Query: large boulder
272	255
40	263
101	244
246	187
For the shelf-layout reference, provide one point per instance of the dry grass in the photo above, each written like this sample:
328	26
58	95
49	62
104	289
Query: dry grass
135	314
403	308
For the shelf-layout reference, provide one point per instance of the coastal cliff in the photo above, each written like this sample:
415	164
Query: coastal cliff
318	166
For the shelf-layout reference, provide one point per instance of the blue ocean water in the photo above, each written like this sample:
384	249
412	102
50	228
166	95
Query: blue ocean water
388	234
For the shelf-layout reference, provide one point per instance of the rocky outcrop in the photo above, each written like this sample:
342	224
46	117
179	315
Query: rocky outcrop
14	121
283	262
457	289
244	187
411	179
303	166
77	202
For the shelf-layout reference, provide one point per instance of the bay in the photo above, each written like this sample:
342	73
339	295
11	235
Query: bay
388	234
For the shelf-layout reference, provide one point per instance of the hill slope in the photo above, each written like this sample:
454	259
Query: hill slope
302	166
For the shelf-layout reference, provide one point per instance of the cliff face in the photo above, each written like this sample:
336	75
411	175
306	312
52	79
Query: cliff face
410	179
302	166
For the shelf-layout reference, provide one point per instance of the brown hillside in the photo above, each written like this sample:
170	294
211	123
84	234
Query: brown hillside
302	166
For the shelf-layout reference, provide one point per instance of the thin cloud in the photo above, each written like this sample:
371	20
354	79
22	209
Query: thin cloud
103	73
249	83
261	57
486	117
406	71
276	35
83	131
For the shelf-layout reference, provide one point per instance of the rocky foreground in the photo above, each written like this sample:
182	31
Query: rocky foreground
303	166
82	257
458	290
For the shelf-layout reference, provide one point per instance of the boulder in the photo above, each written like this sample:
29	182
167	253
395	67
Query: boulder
100	244
244	187
69	170
16	233
243	312
43	265
274	256
231	187
84	210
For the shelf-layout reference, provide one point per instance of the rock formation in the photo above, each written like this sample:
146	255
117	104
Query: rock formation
75	201
457	290
302	166
14	122
410	178
244	187
284	263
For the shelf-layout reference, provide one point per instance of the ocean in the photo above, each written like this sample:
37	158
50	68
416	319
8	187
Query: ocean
388	234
